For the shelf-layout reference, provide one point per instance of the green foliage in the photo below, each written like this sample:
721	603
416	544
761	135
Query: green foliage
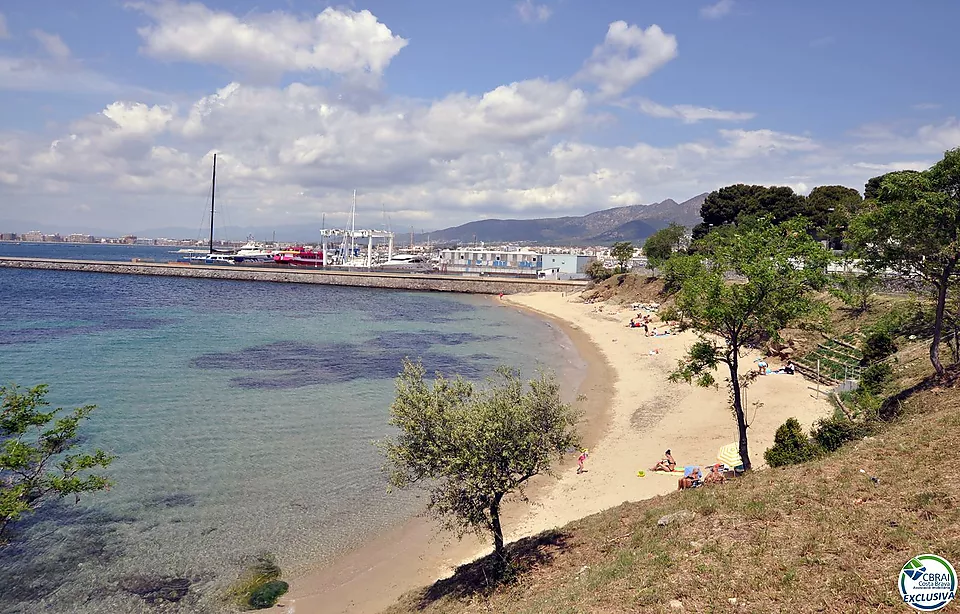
913	227
266	596
738	203
597	272
877	346
660	245
790	446
622	251
831	433
830	208
778	268
37	461
875	377
855	289
470	446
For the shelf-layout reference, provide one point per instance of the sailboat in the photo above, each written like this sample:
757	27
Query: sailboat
211	257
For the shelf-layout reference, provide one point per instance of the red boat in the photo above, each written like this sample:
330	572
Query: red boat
299	256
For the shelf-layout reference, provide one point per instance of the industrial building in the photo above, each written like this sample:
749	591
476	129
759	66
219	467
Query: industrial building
481	261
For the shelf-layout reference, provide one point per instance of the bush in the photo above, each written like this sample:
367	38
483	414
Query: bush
790	446
597	272
875	377
831	433
877	346
266	596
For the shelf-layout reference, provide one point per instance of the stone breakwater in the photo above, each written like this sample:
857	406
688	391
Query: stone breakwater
396	281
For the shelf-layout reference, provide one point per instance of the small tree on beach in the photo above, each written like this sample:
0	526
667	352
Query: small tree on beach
622	251
660	245
774	270
471	446
36	462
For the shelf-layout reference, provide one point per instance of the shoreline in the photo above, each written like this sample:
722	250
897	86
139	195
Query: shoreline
416	552
633	414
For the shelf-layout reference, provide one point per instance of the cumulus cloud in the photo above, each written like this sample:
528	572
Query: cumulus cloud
52	44
690	114
288	154
717	10
4	32
532	13
628	54
337	41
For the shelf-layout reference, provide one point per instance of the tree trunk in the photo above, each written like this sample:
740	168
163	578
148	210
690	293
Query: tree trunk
938	322
497	530
738	411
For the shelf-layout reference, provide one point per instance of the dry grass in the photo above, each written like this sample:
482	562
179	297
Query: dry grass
820	537
626	289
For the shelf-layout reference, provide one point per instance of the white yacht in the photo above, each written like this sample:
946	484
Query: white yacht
412	263
253	252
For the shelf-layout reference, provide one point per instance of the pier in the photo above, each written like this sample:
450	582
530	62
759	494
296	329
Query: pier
362	279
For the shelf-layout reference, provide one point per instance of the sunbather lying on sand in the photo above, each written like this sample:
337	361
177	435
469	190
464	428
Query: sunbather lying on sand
667	464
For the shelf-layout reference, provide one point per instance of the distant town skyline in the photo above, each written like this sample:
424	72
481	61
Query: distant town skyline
439	113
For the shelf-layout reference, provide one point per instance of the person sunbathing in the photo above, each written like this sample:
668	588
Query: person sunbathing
666	464
715	476
691	478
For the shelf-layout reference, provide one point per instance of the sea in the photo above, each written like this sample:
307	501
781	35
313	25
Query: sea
243	417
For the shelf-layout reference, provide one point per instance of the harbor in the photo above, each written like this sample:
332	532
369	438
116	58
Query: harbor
367	279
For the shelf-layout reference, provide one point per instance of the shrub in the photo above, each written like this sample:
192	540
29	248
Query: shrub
597	272
877	346
875	377
266	596
831	433
790	446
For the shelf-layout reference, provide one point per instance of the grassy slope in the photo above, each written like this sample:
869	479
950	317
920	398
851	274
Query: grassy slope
821	537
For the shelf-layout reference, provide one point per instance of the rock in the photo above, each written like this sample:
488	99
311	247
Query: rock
676	604
732	601
696	545
156	590
675	517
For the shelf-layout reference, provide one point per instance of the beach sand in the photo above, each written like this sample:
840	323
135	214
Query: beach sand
633	413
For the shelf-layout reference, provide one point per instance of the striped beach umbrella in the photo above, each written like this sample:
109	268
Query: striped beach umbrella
729	455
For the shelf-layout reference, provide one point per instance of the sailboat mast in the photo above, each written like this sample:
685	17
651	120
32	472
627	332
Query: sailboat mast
353	224
213	196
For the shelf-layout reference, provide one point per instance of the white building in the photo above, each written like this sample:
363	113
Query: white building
479	261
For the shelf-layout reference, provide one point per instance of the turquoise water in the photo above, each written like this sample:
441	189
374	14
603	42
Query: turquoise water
242	415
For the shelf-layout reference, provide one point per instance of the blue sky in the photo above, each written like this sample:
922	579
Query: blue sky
599	104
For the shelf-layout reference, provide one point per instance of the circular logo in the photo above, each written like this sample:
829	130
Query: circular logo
927	582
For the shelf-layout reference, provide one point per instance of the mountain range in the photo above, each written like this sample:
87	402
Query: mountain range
630	223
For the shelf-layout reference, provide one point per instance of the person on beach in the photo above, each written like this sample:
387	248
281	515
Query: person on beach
584	455
715	476
667	464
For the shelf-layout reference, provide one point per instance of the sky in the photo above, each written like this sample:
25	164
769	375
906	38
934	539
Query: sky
441	112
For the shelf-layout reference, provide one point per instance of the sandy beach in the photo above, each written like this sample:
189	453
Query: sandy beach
633	413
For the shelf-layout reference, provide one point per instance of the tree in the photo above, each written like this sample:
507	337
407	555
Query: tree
597	272
622	251
36	463
855	288
913	227
778	268
471	447
735	203
830	207
660	245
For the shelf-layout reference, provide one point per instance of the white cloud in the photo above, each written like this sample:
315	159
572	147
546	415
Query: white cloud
519	149
690	114
4	32
532	13
751	143
627	55
717	10
926	106
52	44
338	41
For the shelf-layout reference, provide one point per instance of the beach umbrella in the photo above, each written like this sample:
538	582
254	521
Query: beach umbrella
729	455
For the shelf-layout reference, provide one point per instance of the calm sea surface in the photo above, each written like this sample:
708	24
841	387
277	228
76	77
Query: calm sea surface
242	416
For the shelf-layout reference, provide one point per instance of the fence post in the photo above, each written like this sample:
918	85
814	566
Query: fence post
818	378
